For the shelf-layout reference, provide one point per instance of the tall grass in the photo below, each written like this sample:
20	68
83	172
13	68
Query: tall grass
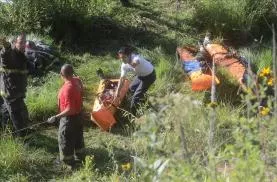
166	70
233	17
171	142
236	144
260	58
42	101
18	162
12	156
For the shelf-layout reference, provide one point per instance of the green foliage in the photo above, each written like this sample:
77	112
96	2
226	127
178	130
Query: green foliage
158	151
20	163
232	16
25	15
42	100
245	153
86	173
259	58
12	156
166	74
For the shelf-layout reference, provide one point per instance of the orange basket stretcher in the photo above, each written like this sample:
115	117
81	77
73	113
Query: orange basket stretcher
232	64
200	80
104	108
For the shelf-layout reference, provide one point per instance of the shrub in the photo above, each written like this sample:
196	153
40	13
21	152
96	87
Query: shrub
26	15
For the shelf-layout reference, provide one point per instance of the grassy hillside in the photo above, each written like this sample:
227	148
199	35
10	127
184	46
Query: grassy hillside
174	139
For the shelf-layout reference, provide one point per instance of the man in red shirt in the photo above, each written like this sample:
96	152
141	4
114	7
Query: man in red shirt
71	140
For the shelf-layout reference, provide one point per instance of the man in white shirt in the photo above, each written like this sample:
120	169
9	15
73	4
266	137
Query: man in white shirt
145	75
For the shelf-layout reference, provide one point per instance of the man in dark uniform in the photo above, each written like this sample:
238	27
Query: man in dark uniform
13	82
4	114
70	137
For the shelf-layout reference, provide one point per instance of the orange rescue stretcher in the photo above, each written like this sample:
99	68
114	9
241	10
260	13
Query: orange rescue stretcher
221	57
200	80
104	108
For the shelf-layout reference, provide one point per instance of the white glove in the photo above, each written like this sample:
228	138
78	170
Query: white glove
51	119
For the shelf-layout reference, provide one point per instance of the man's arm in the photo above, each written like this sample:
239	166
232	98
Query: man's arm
69	104
58	116
120	84
135	62
66	112
124	70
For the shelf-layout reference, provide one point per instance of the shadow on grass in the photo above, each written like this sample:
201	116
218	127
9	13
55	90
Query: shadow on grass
107	161
38	140
227	91
125	125
100	35
36	165
170	21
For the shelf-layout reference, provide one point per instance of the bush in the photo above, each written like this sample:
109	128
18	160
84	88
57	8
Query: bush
26	15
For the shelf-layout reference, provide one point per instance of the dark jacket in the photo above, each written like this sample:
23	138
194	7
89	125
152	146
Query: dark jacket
13	73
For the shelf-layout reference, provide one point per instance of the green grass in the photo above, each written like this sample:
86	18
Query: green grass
152	145
42	100
260	58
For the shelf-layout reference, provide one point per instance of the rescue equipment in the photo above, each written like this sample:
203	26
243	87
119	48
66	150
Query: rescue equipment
104	108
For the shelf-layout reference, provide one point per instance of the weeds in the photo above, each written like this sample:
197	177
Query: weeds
170	141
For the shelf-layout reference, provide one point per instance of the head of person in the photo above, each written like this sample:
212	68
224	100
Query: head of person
124	54
67	71
20	42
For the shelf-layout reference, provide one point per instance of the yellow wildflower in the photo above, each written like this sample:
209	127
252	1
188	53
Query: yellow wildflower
212	104
126	167
270	82
249	91
264	111
265	72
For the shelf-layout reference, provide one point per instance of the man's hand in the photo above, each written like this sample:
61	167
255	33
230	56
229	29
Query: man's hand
52	119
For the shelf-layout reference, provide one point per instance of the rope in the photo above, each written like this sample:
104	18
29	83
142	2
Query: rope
5	70
29	127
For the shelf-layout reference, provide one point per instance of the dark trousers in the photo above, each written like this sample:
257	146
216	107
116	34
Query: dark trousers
71	139
4	114
139	87
18	114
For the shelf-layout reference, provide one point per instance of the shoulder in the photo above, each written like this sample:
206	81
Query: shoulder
125	66
77	80
135	56
67	87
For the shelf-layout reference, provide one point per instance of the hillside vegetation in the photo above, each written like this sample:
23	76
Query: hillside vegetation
181	135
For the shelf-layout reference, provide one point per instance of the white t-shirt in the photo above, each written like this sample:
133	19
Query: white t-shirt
143	67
